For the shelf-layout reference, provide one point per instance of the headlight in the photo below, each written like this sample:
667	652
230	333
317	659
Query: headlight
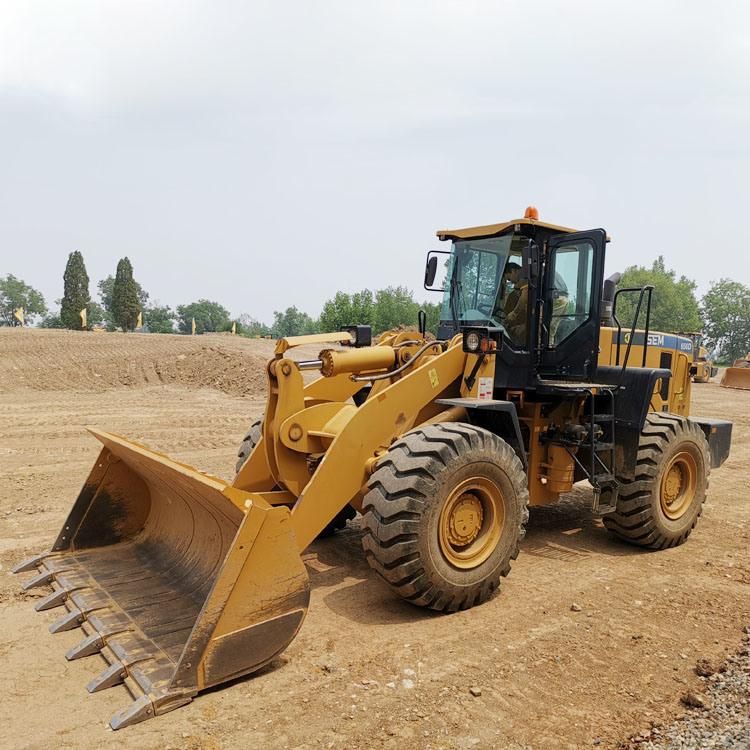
478	340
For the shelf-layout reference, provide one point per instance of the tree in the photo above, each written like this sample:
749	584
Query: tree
394	306
432	311
95	314
347	310
387	308
249	326
674	305
15	293
292	322
159	319
51	320
75	292
209	317
106	288
726	310
125	302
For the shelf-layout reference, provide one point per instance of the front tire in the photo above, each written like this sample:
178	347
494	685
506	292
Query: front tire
248	444
660	506
444	514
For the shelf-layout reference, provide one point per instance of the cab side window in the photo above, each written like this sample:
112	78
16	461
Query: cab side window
568	293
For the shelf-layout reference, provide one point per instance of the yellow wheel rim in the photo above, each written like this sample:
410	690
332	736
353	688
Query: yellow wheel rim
678	485
471	522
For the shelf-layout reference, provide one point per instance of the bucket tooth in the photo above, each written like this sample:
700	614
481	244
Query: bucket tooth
67	622
55	599
111	676
30	564
148	705
90	645
139	710
45	577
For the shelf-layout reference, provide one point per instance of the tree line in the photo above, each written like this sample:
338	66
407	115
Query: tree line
125	305
722	314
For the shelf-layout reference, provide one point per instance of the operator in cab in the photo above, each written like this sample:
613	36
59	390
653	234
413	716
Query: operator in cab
516	304
511	276
513	308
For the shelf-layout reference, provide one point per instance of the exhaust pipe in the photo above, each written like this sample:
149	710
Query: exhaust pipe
608	298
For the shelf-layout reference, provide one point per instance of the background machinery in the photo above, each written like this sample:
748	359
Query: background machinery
702	368
182	581
738	375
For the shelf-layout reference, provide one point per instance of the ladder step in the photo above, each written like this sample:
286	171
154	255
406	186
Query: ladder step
603	510
598	446
610	488
605	479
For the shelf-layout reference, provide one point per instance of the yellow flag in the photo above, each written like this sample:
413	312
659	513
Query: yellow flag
193	326
18	313
83	317
139	322
234	328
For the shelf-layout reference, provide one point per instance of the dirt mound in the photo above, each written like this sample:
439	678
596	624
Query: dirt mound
45	360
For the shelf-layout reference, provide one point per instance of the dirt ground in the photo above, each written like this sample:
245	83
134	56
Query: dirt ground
367	670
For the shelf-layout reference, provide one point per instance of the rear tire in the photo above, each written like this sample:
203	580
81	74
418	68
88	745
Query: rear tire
444	514
660	506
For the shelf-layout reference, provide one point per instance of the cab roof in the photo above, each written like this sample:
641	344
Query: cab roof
490	230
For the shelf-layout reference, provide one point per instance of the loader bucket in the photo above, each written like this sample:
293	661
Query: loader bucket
179	581
736	377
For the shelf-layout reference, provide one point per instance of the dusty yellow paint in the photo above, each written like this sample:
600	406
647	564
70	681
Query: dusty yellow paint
678	399
488	230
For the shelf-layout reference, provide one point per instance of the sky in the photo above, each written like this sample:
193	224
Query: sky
268	154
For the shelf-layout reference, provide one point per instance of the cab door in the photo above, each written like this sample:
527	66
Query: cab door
571	297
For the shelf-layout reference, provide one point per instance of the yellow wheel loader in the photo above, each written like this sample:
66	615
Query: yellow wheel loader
738	375
702	369
181	581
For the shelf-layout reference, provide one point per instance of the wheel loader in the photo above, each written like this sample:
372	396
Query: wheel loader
738	375
702	369
180	581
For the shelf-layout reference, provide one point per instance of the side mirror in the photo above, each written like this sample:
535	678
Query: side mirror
431	271
530	262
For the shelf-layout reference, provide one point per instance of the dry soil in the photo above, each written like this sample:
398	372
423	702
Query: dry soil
524	670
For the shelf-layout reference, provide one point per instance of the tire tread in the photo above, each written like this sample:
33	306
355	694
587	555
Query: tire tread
398	492
634	520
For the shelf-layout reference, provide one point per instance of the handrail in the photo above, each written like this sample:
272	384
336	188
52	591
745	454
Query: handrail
643	290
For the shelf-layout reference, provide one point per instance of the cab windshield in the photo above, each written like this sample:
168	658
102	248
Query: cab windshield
473	293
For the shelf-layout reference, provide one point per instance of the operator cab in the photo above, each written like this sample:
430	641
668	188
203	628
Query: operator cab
535	288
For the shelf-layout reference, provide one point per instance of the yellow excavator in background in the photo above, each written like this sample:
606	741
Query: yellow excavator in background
181	581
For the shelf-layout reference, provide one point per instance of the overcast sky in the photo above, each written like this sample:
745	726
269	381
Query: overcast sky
265	154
